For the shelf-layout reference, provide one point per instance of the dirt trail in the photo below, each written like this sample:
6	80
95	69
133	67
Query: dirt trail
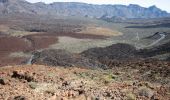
29	62
157	41
162	36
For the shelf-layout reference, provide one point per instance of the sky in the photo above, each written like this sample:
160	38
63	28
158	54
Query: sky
163	4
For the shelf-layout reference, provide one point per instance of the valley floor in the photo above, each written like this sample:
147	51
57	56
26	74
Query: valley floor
91	60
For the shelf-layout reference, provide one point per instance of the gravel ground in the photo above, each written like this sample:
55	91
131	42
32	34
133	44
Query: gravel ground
38	82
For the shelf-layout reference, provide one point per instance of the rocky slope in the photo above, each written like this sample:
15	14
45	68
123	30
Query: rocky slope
80	9
116	51
64	58
38	82
101	57
127	52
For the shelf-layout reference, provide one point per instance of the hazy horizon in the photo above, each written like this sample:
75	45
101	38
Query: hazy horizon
163	4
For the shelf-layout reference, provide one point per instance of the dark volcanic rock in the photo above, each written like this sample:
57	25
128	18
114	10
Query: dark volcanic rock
114	55
2	82
159	25
126	52
23	75
20	98
115	51
64	58
154	36
161	49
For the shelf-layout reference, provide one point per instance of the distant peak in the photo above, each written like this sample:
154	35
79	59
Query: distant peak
40	2
153	7
3	1
134	5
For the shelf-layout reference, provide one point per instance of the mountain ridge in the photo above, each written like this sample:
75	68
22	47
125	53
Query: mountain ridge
80	9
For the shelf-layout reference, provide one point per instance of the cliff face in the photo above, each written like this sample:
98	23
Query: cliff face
15	6
80	9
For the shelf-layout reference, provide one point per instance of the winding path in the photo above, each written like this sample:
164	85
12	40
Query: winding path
29	62
153	43
157	41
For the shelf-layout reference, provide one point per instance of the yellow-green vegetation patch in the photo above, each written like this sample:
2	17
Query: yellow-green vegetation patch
33	85
51	75
98	76
131	96
19	54
109	78
88	75
20	33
